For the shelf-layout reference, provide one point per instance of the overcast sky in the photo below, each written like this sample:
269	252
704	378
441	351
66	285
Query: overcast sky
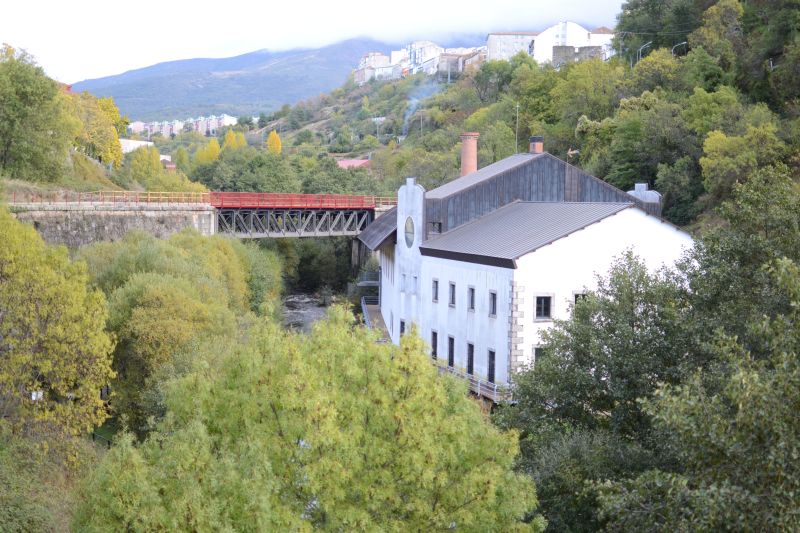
80	39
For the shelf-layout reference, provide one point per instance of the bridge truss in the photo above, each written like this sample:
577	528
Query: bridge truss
257	223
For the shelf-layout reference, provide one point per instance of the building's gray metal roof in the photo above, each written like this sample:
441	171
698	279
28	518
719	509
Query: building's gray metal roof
473	178
510	232
379	230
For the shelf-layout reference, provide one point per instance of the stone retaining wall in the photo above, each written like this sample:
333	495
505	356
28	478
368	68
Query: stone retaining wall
78	224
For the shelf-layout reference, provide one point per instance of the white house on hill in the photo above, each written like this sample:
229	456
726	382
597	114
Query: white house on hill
549	45
483	264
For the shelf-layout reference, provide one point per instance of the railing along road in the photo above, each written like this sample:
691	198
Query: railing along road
231	200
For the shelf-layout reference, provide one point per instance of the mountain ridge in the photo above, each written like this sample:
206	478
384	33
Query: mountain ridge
239	85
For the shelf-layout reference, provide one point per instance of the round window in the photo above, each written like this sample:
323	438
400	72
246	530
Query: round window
409	232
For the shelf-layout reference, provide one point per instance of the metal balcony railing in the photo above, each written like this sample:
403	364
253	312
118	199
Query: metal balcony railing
366	301
481	387
369	279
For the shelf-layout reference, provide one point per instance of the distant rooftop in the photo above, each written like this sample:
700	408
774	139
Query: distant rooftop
603	30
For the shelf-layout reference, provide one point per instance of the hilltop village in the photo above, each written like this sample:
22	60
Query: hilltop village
556	45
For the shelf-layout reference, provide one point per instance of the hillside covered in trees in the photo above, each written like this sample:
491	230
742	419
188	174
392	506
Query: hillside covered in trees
667	401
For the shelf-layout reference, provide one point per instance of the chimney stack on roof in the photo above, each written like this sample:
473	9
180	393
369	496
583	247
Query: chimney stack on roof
469	152
536	144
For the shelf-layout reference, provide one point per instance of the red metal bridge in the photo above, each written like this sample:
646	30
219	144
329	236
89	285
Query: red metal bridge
244	214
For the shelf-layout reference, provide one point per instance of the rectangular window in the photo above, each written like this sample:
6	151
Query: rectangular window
471	298
490	367
451	351
402	327
414	287
492	303
538	353
435	290
452	294
403	283
543	307
470	358
434	344
580	296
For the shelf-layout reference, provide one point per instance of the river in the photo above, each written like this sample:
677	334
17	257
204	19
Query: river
300	311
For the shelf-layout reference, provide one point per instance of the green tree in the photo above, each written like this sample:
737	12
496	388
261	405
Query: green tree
55	351
36	129
181	160
719	110
144	167
664	22
330	431
493	78
659	69
736	437
274	146
249	169
729	288
721	33
578	409
588	88
730	160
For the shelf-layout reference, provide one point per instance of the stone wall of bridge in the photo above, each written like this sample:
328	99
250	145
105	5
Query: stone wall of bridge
78	224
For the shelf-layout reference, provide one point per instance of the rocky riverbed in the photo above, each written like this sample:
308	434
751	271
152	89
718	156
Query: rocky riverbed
300	311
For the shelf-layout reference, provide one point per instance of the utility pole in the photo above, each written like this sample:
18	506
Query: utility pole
516	133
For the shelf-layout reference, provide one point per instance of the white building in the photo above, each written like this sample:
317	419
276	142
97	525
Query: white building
201	125
570	34
483	264
540	45
129	145
505	45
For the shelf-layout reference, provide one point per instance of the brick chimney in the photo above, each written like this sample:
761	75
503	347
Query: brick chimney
537	144
469	152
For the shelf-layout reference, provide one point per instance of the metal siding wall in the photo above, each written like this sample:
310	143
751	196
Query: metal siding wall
544	179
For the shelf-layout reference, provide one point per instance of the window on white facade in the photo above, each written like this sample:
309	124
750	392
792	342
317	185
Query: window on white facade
414	288
492	303
470	358
471	298
434	344
435	290
451	352
580	296
402	327
490	367
452	294
544	307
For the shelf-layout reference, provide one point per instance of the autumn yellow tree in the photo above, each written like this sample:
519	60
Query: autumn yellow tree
208	153
234	140
55	354
98	136
274	145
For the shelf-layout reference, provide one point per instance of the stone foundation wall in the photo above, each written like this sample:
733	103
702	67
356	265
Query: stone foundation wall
76	225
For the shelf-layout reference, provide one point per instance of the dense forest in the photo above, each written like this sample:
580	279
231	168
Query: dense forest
667	402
